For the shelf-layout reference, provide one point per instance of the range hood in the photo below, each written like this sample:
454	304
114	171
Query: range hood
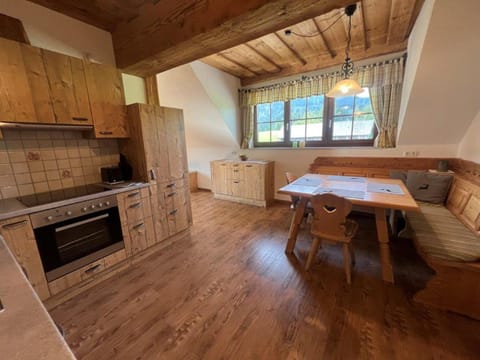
36	126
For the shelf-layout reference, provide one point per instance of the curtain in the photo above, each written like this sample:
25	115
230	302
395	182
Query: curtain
383	79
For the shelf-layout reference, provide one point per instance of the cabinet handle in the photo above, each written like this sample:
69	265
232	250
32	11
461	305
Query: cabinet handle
15	224
152	175
170	185
235	170
106	132
236	182
133	194
249	165
136	205
171	194
135	227
173	212
92	269
74	118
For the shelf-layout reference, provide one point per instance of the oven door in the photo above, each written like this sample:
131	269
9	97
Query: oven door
68	245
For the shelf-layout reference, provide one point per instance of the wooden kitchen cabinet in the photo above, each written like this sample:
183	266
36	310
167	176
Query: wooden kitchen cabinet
16	101
20	239
250	182
68	88
157	151
107	100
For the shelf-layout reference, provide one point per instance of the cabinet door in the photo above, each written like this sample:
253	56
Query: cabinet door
254	181
177	152
141	236
155	141
107	99
159	212
177	214
237	188
220	174
18	234
68	87
38	82
16	103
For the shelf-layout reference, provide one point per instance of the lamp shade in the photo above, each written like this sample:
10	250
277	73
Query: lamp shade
346	87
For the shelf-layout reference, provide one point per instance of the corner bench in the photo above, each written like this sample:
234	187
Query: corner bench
447	238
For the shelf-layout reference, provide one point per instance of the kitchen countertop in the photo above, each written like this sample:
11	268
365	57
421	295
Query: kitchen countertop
26	329
10	208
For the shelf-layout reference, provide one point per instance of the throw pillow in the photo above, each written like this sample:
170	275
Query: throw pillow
428	187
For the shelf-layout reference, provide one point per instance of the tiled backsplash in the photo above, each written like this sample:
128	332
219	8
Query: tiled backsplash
39	161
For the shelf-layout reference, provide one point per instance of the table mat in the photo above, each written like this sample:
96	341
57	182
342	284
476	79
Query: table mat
346	178
305	181
384	188
352	194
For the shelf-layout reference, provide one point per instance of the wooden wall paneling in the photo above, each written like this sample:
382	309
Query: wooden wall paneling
151	87
467	169
16	104
407	163
19	236
38	82
12	28
105	88
68	88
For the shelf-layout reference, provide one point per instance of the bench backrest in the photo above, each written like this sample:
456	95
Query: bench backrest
464	202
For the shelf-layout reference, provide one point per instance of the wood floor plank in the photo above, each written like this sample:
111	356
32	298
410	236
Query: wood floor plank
229	291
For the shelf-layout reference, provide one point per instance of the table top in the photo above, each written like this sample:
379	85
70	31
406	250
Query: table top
374	192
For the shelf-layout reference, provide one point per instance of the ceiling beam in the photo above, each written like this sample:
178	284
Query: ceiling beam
291	49
316	63
170	33
324	39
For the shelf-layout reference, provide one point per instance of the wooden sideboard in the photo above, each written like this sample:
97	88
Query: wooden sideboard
249	182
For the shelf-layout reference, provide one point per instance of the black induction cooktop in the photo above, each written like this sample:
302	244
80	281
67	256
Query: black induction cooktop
59	195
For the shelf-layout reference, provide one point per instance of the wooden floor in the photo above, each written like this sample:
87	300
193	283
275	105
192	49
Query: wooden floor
230	292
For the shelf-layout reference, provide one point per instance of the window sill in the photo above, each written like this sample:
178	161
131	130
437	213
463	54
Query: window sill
318	148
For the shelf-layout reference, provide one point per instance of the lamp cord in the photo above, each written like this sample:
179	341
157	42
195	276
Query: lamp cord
319	32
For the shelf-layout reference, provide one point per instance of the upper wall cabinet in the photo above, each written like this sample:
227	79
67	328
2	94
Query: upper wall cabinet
68	88
107	98
15	97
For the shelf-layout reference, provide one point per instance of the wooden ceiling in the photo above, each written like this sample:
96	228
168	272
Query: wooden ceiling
245	38
378	27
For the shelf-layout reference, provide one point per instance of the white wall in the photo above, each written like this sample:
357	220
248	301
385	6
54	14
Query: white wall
53	31
208	135
469	148
444	93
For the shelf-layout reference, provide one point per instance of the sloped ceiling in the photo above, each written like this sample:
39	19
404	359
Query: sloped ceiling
444	96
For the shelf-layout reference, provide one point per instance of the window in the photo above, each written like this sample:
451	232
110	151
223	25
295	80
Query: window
316	121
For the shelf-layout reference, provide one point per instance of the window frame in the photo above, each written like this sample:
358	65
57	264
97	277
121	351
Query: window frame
327	134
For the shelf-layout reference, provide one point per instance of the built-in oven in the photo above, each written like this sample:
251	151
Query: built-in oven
75	235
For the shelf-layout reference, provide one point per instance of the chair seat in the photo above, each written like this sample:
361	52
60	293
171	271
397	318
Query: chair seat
442	235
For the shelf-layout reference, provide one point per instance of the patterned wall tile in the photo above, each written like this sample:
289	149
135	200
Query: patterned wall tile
34	161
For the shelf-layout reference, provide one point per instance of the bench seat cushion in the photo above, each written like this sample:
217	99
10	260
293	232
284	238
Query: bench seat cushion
440	234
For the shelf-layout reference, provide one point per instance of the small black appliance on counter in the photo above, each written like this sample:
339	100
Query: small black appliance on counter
111	174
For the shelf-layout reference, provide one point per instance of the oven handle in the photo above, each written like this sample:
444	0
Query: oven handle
83	222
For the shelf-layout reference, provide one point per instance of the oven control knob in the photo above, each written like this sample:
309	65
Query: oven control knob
92	206
84	209
50	218
100	205
107	203
68	213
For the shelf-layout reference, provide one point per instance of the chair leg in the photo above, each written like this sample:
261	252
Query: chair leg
352	254
312	253
346	260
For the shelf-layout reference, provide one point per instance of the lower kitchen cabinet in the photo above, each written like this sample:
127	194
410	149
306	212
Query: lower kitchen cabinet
249	182
20	239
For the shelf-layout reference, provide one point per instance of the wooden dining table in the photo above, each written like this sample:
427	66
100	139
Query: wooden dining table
378	194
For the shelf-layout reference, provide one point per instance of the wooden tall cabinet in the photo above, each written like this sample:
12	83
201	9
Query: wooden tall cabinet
156	149
249	182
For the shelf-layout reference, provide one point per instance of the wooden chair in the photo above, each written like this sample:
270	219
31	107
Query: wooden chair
330	223
290	177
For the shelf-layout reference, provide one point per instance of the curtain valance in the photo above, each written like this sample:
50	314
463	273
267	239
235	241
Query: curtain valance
381	74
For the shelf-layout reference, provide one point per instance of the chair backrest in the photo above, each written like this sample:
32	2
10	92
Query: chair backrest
290	177
329	215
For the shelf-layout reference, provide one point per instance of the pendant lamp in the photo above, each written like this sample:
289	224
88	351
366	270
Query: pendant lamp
347	86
